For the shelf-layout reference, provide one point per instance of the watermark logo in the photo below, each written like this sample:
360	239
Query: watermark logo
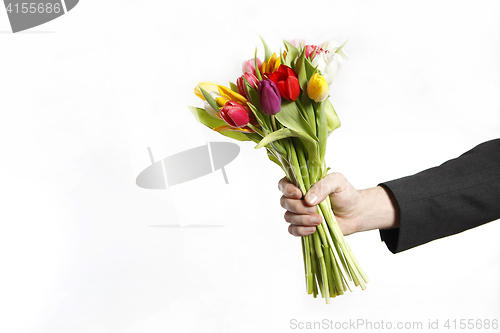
26	14
188	165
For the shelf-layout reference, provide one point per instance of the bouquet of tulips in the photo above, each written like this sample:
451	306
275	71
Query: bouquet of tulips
282	105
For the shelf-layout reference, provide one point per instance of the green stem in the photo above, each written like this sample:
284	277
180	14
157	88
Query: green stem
358	278
302	163
273	122
256	130
322	264
316	272
307	263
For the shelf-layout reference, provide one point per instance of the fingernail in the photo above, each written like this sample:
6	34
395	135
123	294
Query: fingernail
310	229
315	219
312	198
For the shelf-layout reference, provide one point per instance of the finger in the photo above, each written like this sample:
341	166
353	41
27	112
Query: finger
333	182
297	230
296	206
303	220
288	189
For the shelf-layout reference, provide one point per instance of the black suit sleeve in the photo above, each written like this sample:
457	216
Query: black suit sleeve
460	194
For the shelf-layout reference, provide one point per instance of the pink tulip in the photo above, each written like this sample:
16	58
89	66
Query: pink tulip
252	79
234	114
297	42
249	66
310	50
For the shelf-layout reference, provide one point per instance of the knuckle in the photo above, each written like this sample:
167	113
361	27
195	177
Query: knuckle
286	216
281	183
335	175
288	190
283	202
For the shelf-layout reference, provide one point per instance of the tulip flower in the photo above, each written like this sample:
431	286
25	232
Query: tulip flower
213	90
252	79
328	64
269	97
287	82
329	61
297	42
332	47
317	88
271	65
232	95
249	66
209	87
234	114
313	50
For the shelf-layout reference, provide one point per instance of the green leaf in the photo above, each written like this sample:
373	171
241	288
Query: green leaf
234	87
267	51
252	136
261	118
305	104
291	53
301	71
321	128
211	122
273	158
341	46
310	69
282	60
283	133
291	117
331	117
210	100
257	71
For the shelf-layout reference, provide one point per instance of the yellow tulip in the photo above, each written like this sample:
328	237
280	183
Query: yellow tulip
221	101
271	65
317	88
209	87
225	93
231	95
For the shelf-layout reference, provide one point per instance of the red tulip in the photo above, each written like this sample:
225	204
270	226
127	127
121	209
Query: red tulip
287	82
252	79
234	114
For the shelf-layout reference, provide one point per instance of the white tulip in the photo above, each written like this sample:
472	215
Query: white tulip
332	46
328	64
328	61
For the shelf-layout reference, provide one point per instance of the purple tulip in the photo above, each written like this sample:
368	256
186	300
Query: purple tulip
269	97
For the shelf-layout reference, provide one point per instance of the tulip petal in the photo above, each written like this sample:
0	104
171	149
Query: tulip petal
221	101
231	95
235	129
240	118
292	88
209	87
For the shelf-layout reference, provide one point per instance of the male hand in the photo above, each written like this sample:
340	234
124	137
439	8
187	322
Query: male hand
355	210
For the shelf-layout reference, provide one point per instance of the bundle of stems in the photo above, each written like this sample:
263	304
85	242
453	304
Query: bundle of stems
329	263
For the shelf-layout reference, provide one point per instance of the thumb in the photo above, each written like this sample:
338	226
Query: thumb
318	192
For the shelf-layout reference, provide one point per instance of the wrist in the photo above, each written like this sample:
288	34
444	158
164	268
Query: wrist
378	209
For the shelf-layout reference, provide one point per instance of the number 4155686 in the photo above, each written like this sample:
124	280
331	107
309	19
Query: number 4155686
471	324
32	8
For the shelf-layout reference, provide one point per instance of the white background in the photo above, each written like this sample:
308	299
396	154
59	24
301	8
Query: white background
82	97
